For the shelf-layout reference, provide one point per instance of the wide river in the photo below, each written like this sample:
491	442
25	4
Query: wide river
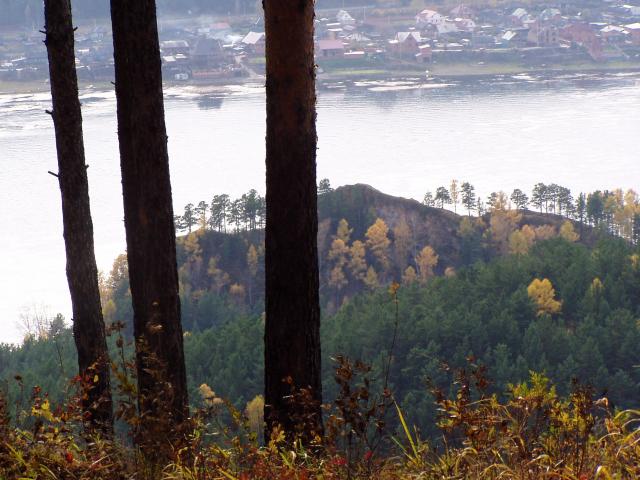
403	138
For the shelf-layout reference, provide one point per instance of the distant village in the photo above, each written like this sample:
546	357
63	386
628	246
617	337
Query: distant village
365	37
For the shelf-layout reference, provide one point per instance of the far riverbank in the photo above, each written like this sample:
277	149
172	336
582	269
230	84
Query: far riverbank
432	72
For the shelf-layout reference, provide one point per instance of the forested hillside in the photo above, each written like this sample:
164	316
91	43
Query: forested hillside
516	301
366	240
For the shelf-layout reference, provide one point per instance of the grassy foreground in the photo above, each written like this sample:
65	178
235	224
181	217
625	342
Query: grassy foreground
533	434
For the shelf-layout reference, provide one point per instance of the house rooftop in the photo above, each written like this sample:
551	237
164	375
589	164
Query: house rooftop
253	38
404	36
330	45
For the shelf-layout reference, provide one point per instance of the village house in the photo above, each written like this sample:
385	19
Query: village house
254	43
519	17
207	53
634	32
550	15
330	48
429	17
613	34
174	47
447	28
514	38
464	24
578	32
344	18
330	31
405	45
357	38
543	35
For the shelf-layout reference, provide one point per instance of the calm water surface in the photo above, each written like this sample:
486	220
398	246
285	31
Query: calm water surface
403	138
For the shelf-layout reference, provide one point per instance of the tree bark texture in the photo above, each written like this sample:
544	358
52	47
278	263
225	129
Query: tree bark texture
292	333
82	273
148	216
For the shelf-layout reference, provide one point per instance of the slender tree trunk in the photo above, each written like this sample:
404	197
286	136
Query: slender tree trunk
292	334
148	217
82	273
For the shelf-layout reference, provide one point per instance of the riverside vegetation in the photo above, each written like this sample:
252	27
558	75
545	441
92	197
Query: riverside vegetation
452	315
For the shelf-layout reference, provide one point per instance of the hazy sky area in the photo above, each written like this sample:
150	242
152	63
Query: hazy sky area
403	139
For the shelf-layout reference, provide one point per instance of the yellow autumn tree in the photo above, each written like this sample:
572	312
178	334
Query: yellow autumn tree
455	194
545	232
357	260
529	233
192	267
503	223
254	412
426	260
401	243
252	260
219	278
337	278
237	292
568	232
344	232
338	257
371	279
209	396
543	294
409	276
378	243
521	241
500	202
252	265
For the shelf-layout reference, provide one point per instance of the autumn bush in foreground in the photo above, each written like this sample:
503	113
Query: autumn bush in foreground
532	434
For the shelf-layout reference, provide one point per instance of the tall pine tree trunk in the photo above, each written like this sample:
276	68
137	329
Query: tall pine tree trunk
148	216
82	273
292	334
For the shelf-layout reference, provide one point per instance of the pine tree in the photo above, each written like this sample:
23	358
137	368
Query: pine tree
428	200
539	196
442	197
468	197
218	212
189	218
324	187
82	272
148	217
201	214
519	199
292	305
